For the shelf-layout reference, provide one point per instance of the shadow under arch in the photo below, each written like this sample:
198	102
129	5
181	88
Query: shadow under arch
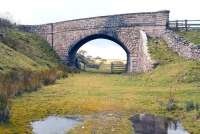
75	47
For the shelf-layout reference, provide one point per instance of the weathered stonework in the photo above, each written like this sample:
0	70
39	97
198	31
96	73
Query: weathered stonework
144	59
68	36
180	45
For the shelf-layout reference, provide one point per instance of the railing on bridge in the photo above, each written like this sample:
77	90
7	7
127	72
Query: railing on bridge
184	25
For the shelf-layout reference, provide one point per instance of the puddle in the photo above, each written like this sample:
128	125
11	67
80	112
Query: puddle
54	125
149	124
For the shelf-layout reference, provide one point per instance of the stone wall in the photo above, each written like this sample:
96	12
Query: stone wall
180	45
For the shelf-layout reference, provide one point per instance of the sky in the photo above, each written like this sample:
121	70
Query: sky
105	49
47	11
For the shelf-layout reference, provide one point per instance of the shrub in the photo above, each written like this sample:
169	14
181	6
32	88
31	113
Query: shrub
198	115
197	106
3	101
190	106
5	23
4	110
18	81
49	76
171	104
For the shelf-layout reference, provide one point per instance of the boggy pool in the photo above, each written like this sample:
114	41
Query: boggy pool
54	125
150	124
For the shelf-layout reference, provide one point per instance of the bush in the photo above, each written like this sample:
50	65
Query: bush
18	81
198	115
171	104
4	110
5	23
190	106
197	106
49	76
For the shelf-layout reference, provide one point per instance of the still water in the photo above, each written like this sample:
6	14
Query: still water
142	123
150	124
54	125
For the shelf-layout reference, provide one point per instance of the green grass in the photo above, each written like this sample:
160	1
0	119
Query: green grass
193	36
10	59
25	50
97	96
27	62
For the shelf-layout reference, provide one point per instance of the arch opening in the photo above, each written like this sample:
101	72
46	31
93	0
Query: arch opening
100	53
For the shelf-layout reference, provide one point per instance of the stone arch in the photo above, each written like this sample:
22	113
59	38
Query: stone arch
65	44
62	36
75	47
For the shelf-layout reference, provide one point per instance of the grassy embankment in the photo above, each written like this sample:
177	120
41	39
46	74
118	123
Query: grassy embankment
25	50
26	63
192	36
109	100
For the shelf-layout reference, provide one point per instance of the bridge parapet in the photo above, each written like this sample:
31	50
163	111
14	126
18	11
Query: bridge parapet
147	21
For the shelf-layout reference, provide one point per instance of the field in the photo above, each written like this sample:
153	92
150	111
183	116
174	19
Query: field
107	100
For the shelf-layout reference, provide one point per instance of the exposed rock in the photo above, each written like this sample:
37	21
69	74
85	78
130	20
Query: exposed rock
180	45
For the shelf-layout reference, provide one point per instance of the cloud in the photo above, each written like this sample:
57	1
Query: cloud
105	49
44	11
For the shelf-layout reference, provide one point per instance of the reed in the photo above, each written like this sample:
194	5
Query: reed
19	81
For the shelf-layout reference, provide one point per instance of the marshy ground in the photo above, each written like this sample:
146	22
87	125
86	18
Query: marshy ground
112	99
107	101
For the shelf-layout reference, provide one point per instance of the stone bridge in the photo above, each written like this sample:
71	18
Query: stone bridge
125	29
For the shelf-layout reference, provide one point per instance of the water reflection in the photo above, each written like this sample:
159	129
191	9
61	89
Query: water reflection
150	124
54	125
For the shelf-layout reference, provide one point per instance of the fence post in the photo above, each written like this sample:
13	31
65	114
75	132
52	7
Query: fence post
84	67
176	25
111	67
186	25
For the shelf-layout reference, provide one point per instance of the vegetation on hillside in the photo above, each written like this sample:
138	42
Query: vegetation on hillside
33	52
26	63
187	71
193	36
107	101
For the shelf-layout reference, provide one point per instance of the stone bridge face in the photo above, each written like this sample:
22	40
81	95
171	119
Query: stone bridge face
68	36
